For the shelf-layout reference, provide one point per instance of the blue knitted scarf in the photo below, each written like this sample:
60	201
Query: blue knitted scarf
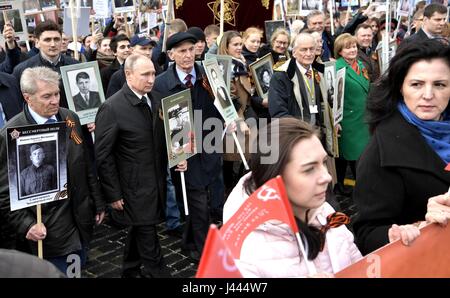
436	133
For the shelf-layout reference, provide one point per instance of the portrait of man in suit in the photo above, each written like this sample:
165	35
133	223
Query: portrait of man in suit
85	99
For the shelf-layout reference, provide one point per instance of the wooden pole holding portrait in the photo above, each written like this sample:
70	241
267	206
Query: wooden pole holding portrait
331	8
39	222
222	16
74	7
169	17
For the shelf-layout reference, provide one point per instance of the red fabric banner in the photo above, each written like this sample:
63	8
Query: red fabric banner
269	202
216	261
447	168
428	256
239	14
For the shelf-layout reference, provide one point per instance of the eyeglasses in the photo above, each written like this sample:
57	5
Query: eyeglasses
281	43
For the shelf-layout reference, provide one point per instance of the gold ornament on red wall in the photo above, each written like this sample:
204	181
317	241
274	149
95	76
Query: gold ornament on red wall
229	11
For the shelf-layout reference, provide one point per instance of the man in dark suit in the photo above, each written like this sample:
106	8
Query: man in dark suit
132	166
67	224
434	22
85	99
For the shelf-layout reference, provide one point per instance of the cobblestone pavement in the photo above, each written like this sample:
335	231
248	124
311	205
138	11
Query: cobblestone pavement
105	254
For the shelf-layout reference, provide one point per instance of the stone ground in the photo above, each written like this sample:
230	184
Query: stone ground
105	255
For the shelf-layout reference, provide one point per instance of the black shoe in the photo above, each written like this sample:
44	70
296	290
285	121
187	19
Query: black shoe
131	274
177	232
194	256
343	190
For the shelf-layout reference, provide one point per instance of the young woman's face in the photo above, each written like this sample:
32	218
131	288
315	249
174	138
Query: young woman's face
253	42
235	47
306	176
426	88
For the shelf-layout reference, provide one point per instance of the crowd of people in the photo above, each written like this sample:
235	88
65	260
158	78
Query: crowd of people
394	137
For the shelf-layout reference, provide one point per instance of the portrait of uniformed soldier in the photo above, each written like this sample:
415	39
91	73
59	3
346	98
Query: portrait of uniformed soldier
179	130
39	176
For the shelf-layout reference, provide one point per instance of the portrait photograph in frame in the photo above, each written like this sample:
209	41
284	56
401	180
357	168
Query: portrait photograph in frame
338	104
150	5
84	91
225	64
120	6
37	164
271	26
179	127
222	101
330	80
262	71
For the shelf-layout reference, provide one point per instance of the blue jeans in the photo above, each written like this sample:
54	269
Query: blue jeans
62	262
172	211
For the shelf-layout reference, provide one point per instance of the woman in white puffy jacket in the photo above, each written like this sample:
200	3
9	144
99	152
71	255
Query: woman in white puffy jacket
271	250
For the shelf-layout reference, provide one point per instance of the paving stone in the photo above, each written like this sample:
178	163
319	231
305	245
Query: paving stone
101	269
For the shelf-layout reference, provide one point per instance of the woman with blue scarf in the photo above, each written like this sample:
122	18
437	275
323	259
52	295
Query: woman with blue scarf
401	179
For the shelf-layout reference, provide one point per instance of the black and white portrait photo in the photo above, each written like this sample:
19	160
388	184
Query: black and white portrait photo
38	168
86	3
47	4
178	127
222	94
330	80
37	164
338	105
264	76
87	96
14	19
31	6
123	6
271	26
84	90
262	71
311	4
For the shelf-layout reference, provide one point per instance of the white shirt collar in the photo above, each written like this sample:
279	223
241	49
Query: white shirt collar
38	118
140	96
302	69
182	75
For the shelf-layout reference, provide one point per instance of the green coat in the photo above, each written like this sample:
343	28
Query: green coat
355	132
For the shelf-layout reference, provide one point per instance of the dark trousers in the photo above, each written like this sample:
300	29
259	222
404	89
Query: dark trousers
142	248
341	168
197	223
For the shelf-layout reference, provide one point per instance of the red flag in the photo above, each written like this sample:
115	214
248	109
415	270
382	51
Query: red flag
216	258
269	202
447	168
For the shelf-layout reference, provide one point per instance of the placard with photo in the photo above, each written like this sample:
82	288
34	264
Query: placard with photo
330	80
225	64
179	127
84	91
223	100
338	104
262	71
37	164
124	6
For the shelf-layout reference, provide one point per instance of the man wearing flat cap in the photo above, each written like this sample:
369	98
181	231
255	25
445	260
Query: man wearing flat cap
204	168
39	176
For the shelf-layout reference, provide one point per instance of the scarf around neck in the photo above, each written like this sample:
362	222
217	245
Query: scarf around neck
436	133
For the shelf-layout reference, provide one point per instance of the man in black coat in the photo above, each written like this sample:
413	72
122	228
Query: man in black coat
11	100
132	165
85	99
67	224
120	45
204	168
